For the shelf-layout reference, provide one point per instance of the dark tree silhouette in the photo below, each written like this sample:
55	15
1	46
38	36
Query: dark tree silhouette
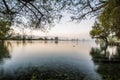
38	13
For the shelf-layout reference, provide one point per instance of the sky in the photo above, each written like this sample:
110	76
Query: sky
72	29
66	29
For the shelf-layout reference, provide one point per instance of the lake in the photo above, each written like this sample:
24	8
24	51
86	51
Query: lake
63	60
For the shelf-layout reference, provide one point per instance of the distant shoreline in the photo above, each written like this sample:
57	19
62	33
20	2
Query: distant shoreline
41	40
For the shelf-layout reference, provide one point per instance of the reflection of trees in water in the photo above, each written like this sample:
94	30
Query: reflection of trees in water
108	67
23	42
117	56
18	42
4	51
109	71
105	54
55	41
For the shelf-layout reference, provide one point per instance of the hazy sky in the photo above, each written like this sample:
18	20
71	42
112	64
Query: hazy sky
70	29
66	28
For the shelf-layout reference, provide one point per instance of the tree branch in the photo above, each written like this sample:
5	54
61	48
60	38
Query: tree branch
92	11
29	8
7	7
88	3
36	8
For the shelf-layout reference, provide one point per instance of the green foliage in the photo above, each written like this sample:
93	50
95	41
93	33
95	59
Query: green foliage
111	17
98	31
5	30
109	20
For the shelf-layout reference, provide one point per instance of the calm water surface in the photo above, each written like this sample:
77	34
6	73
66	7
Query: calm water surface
70	60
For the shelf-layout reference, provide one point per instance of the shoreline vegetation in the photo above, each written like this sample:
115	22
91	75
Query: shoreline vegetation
56	39
45	39
110	43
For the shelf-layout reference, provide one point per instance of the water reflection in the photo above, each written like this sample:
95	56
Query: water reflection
106	54
4	51
107	60
34	60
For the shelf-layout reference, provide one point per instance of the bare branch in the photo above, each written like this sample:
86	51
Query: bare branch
36	8
29	8
88	3
89	12
7	7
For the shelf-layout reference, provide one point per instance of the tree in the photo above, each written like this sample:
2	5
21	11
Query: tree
81	9
100	32
38	13
5	30
56	38
108	21
31	13
28	13
110	17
